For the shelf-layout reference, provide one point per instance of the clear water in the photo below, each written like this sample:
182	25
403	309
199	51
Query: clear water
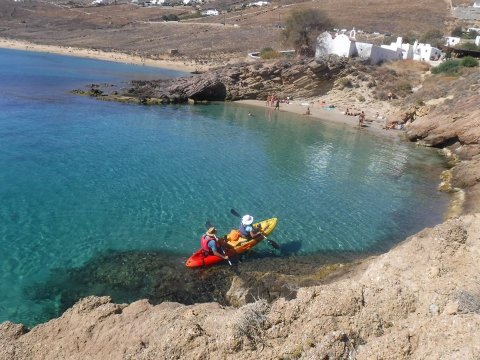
80	176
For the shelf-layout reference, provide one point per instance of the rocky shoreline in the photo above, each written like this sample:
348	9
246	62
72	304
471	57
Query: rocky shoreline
299	78
419	300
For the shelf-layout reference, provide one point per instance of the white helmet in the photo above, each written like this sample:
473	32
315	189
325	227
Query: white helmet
247	220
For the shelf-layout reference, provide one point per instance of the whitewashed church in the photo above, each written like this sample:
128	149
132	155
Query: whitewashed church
348	46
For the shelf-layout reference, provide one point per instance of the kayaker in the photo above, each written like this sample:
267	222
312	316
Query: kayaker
208	241
247	230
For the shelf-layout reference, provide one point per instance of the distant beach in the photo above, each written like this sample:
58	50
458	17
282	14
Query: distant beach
320	111
179	65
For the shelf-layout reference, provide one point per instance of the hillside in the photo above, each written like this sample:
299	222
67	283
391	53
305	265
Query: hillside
140	30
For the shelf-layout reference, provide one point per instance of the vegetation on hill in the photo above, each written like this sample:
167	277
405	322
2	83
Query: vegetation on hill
453	66
302	29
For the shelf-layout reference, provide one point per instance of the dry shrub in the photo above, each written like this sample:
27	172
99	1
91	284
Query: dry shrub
250	321
468	302
408	65
344	82
269	53
397	77
452	89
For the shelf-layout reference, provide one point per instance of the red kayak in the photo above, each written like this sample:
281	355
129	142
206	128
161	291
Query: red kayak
233	246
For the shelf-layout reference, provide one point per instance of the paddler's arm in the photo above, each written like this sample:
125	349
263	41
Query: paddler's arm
224	257
216	253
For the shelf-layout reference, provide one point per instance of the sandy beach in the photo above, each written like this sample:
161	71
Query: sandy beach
179	65
320	112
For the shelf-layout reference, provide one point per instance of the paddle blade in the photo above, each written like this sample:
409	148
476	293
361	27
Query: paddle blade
273	244
235	213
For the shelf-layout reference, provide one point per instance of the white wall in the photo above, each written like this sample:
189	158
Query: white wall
324	44
407	51
363	50
340	45
424	52
343	46
380	54
452	40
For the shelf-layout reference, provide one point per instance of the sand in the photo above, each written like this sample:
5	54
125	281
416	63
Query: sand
319	112
174	64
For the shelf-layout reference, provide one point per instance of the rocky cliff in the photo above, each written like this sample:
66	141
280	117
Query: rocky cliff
299	78
449	118
421	300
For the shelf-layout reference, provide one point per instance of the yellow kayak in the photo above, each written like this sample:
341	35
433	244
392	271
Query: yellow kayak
240	244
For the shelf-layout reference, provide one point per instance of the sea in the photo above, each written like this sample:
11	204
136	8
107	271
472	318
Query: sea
81	179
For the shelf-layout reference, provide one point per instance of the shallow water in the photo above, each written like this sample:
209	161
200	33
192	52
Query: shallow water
80	177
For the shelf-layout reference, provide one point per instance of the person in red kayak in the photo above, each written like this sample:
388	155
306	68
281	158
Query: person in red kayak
247	230
209	244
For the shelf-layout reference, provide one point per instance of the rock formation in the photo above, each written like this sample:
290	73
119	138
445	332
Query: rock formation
452	121
299	78
421	300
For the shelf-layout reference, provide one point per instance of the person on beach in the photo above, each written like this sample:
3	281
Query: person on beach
307	112
361	119
277	105
209	243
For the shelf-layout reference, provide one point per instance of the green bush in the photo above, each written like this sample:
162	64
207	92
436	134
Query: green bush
269	53
447	67
469	61
170	17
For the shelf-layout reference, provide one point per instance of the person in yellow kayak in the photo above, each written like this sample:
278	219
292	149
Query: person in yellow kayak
209	243
247	230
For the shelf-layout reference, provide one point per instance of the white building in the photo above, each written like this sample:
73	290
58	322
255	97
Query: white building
406	49
425	52
476	4
99	2
347	46
210	13
452	40
259	3
477	40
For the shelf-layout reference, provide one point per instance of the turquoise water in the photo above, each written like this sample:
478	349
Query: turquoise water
80	176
